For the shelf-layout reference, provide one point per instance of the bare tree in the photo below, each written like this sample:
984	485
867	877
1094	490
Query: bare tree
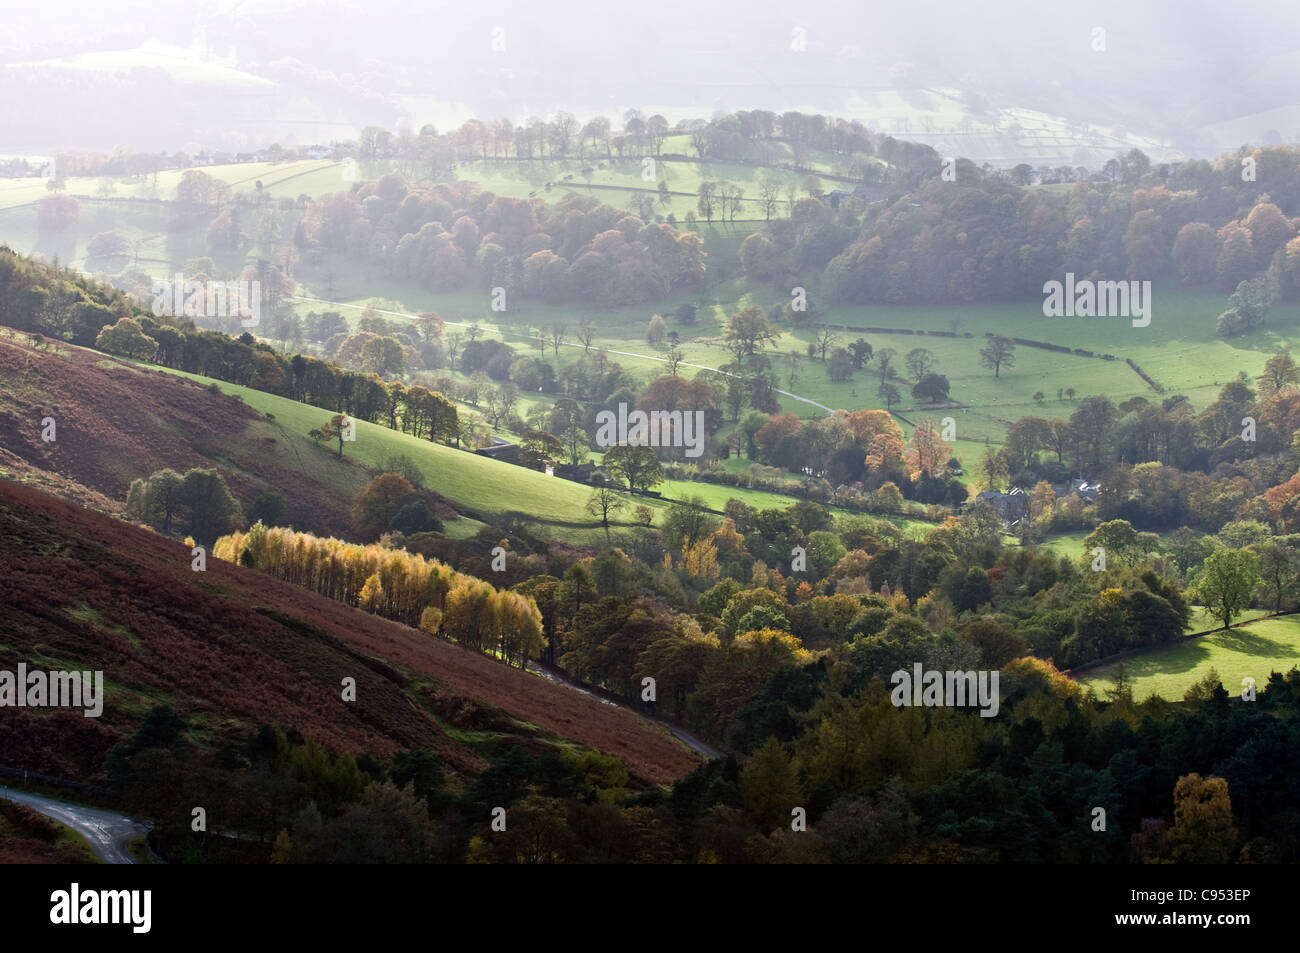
792	361
604	503
558	332
767	192
885	363
826	339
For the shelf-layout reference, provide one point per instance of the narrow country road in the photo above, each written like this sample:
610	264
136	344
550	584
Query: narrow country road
106	832
685	737
644	357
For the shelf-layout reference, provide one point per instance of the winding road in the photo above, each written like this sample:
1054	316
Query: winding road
685	737
106	832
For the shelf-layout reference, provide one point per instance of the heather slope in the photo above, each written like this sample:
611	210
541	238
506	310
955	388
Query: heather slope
231	649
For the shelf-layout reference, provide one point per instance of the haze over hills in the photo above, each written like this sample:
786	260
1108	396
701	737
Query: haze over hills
165	76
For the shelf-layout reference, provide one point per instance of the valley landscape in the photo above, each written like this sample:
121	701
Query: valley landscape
306	449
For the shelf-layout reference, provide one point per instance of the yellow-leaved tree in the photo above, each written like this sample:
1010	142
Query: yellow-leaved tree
372	594
402	586
1203	831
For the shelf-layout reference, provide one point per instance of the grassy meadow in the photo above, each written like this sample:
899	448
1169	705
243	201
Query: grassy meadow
1252	650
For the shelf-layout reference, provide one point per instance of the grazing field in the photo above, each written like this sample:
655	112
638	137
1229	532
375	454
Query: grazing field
482	486
1254	650
614	181
1182	349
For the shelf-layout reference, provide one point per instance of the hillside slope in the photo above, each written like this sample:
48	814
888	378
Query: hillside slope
115	422
231	649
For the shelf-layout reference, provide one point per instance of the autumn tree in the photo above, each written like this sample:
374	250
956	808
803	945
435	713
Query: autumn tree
1280	372
655	331
376	505
337	428
430	325
1042	503
927	451
700	561
1269	230
1236	260
1194	253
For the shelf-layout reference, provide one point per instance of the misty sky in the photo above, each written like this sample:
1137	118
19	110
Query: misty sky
159	74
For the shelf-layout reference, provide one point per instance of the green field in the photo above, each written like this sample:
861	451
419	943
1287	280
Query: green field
478	484
614	180
488	487
1252	650
1065	545
1180	349
1183	350
484	486
1202	620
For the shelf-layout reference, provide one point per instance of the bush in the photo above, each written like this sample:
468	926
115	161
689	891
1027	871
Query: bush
269	507
415	517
